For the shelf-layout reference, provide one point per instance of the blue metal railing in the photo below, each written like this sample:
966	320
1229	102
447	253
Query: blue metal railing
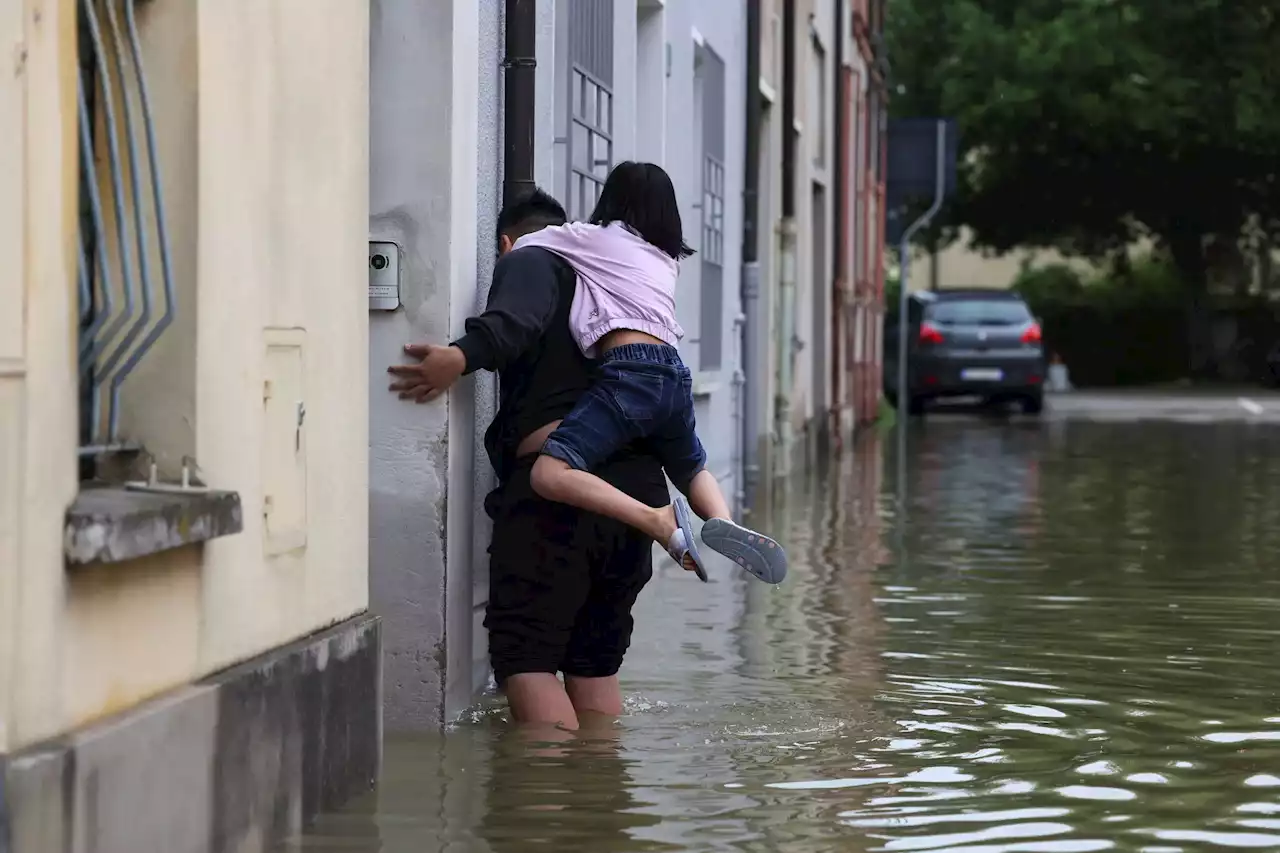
118	297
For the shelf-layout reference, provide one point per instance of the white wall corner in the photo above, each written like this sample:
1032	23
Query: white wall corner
544	120
463	231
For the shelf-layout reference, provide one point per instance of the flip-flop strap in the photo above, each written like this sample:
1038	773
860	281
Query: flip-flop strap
678	546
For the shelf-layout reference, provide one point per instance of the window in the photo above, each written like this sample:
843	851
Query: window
590	143
979	312
710	73
126	297
712	210
817	125
875	129
771	55
590	104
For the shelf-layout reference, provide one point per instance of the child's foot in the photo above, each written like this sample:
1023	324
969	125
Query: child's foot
682	545
756	553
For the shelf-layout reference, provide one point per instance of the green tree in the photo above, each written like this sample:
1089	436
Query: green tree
1085	124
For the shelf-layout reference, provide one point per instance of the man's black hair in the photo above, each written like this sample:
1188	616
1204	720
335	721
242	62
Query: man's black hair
530	211
641	197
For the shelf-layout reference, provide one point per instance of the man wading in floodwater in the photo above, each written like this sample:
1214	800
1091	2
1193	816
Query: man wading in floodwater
562	581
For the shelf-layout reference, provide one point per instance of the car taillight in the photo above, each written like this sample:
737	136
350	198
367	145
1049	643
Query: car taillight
930	334
1032	334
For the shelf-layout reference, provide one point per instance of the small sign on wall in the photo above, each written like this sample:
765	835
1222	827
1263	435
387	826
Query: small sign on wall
384	276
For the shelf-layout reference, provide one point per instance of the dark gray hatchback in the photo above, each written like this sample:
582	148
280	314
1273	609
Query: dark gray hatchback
967	343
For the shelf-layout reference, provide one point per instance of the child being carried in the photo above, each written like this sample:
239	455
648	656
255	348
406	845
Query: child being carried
623	313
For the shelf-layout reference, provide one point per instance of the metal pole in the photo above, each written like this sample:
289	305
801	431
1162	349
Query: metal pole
904	394
904	254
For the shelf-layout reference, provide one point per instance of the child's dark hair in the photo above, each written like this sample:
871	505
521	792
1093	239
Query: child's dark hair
530	211
641	197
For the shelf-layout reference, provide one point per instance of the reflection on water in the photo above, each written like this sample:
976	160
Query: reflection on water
1065	641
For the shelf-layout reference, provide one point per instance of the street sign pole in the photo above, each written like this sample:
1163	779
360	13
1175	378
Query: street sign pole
904	255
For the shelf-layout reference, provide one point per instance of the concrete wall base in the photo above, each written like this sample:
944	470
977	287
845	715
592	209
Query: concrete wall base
234	764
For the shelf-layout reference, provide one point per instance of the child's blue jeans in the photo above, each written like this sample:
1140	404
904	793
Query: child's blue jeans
640	391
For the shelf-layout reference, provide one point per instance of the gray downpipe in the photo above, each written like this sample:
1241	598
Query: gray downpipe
519	64
751	330
839	272
786	343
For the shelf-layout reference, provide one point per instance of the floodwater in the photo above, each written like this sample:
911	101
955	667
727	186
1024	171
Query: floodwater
1067	640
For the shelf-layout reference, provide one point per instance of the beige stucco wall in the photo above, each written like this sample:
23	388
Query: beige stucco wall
272	231
12	343
37	407
961	265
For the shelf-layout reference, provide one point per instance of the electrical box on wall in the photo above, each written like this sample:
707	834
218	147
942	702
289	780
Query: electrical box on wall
284	445
384	276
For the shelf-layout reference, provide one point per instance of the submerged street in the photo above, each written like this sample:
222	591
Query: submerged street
1064	641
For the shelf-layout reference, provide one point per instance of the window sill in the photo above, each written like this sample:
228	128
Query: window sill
706	384
112	525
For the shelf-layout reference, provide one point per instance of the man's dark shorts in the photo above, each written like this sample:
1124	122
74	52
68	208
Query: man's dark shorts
562	583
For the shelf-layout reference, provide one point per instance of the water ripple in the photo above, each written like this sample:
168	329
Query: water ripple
1062	641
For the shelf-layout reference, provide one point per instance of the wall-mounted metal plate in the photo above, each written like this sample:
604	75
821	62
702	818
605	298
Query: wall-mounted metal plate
384	276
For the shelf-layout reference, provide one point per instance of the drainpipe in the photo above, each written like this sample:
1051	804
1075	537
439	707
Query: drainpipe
786	343
839	273
752	330
881	170
519	66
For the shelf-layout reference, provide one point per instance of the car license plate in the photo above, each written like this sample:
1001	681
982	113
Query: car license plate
981	374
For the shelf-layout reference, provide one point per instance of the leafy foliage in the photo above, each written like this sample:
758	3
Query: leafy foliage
1087	123
1146	282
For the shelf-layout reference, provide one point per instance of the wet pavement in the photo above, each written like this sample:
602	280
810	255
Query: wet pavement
1066	640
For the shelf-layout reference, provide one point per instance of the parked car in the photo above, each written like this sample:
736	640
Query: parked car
967	343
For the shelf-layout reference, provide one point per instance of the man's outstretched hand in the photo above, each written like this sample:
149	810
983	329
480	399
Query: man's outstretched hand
422	383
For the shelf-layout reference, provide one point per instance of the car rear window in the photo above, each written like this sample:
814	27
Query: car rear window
978	312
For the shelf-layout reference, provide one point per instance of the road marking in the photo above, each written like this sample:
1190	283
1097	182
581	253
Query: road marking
1250	406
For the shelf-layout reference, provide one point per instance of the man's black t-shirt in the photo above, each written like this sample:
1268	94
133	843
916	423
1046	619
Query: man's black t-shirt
524	336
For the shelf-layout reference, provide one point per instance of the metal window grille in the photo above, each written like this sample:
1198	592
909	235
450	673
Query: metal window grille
123	309
590	140
711	331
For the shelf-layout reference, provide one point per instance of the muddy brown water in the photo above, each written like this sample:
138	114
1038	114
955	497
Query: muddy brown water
1066	639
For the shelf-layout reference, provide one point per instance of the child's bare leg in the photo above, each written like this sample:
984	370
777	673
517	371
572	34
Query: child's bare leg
554	480
706	498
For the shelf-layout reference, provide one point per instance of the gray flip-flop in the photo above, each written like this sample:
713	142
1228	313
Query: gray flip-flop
755	552
683	541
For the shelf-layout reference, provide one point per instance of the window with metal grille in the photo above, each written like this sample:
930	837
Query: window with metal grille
818	103
590	138
712	210
711	72
126	298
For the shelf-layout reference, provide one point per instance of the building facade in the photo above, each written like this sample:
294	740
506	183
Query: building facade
821	234
205	487
187	661
615	80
